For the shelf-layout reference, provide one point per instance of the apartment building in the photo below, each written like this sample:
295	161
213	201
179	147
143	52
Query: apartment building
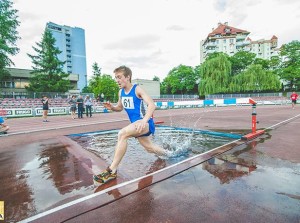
230	40
71	41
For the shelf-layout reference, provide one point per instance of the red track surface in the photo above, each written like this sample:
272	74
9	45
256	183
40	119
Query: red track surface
254	181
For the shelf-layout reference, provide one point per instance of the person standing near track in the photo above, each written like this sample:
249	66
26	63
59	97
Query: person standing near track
294	97
45	102
132	99
88	106
80	106
72	103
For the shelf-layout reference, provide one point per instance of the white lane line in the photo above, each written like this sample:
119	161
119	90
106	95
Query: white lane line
287	120
64	126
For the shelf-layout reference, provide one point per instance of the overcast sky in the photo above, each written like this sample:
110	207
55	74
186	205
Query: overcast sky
152	36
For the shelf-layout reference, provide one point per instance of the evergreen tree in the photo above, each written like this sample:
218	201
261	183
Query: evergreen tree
96	76
48	75
8	36
96	69
156	78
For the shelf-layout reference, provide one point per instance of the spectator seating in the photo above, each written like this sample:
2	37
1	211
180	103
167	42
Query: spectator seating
35	103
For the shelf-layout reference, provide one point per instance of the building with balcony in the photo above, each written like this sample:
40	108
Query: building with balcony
230	40
71	41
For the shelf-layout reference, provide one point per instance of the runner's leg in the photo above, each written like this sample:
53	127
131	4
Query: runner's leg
121	147
146	142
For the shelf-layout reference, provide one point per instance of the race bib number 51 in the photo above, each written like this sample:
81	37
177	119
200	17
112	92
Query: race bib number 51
127	102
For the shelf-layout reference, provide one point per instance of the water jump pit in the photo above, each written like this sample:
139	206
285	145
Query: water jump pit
180	143
55	176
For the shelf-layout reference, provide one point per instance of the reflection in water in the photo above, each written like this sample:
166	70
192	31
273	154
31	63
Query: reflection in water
63	168
228	167
225	170
14	190
40	176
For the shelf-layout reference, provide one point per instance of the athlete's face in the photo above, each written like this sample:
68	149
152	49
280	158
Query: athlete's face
121	80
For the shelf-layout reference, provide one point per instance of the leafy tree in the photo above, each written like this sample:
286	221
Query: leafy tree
86	89
216	54
264	63
215	75
255	79
290	65
8	36
106	85
274	63
180	80
240	61
48	75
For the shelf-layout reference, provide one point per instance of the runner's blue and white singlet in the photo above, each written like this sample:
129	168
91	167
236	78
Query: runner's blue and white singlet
135	107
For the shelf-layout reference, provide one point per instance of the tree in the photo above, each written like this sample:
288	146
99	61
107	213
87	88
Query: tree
96	69
264	63
216	54
8	36
96	76
107	86
290	65
180	80
215	75
156	78
48	75
255	79
240	61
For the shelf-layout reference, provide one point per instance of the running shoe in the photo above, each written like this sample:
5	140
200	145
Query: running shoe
105	176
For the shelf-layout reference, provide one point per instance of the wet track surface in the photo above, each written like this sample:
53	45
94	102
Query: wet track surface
255	181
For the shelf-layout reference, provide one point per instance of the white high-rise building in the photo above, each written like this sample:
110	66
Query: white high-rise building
230	40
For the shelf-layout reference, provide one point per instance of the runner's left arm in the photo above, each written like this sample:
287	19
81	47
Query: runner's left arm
141	93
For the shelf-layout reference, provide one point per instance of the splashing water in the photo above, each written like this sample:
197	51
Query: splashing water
178	143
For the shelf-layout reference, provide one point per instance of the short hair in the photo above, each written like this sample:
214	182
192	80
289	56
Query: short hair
125	70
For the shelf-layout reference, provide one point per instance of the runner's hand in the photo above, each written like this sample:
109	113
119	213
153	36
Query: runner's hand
107	105
140	126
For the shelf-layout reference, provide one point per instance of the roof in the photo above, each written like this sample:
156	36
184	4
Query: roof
274	37
224	29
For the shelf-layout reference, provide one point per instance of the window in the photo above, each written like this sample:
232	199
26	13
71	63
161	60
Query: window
7	84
